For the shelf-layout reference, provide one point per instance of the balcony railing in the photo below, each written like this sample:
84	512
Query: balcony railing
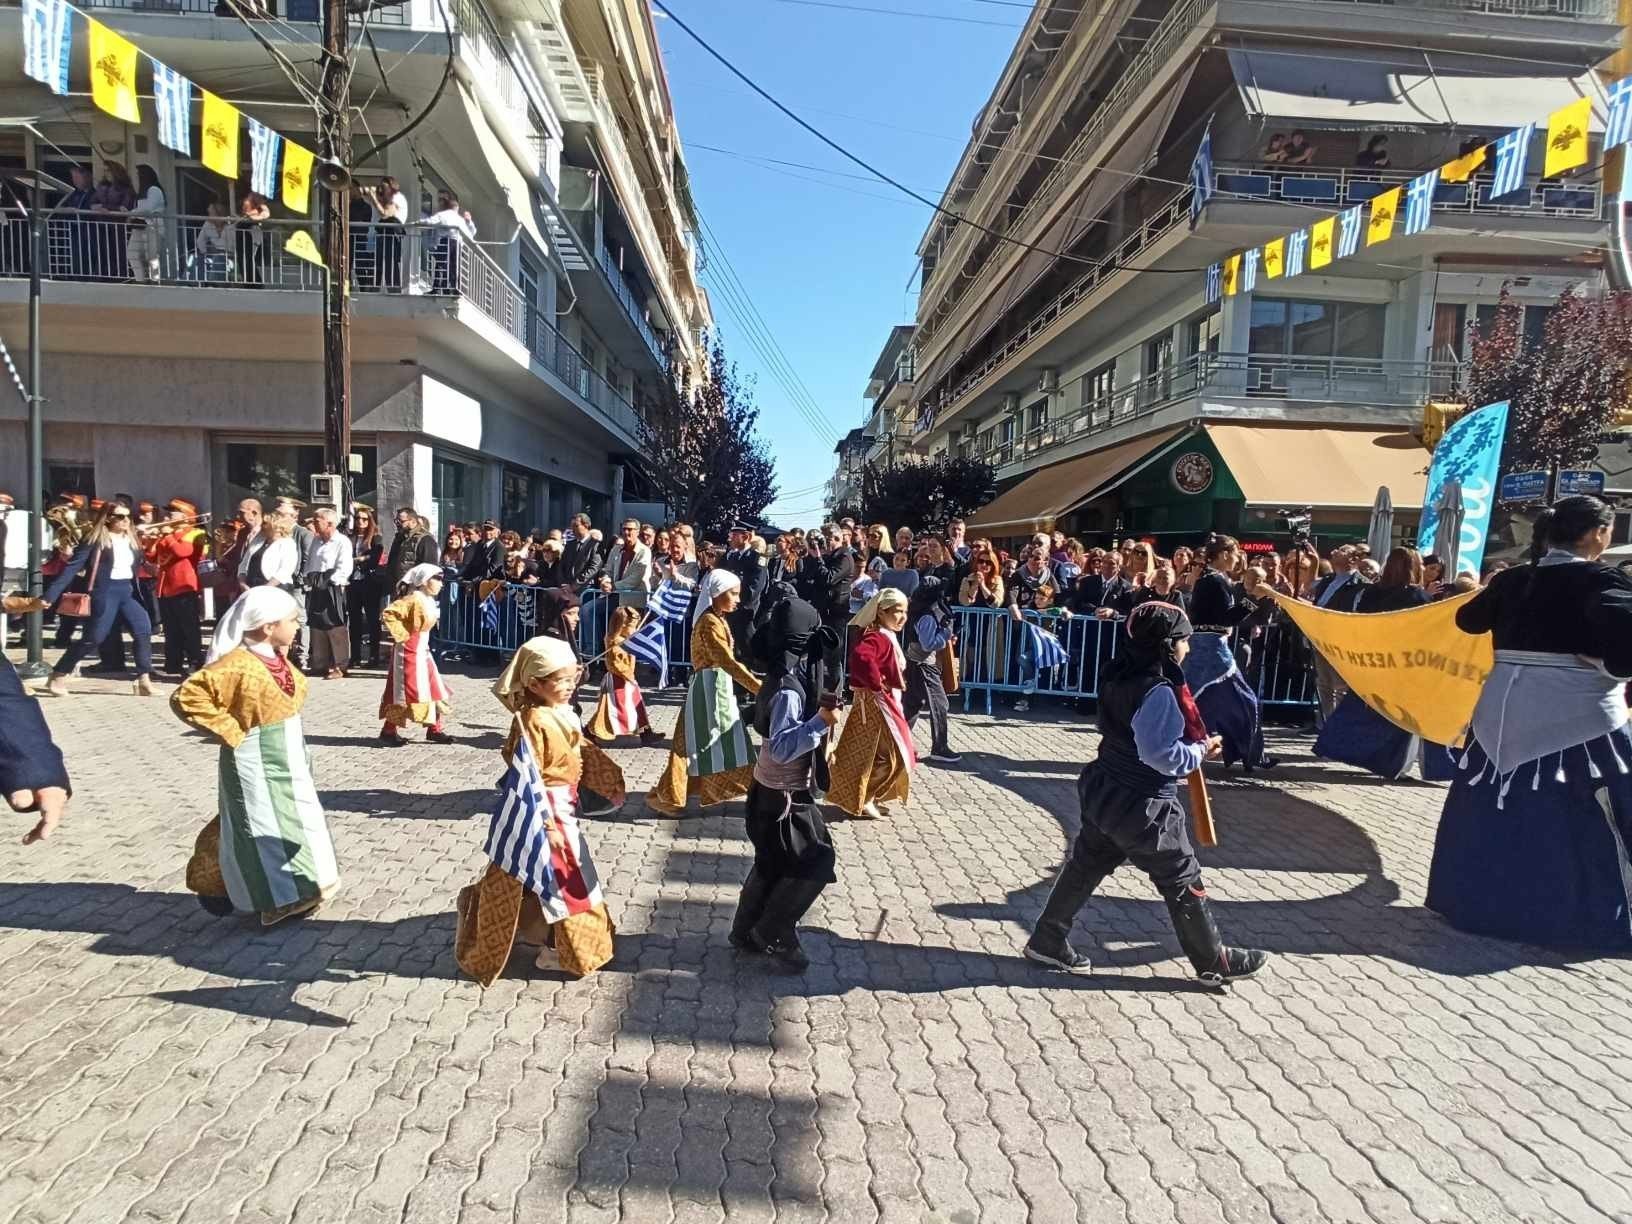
1340	188
1579	10
1349	380
631	304
415	260
286	10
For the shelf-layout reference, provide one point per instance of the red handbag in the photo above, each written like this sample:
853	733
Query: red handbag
78	603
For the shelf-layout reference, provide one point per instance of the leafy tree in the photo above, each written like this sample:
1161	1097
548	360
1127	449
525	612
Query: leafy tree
926	494
1564	393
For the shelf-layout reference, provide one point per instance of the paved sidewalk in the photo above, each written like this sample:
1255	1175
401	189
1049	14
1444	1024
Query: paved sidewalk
157	1064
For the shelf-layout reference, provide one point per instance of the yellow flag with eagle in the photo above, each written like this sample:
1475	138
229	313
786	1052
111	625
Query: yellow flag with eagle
1380	224
219	136
113	73
1567	137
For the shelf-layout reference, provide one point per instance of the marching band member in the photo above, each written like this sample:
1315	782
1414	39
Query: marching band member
414	688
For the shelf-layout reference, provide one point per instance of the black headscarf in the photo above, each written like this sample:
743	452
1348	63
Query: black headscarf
793	642
1152	631
553	605
928	600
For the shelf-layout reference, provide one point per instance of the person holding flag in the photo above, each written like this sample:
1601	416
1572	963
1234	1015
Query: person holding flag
875	758
1151	735
540	885
622	708
414	688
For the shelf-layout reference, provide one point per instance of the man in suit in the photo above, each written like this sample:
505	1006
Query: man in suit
484	560
33	777
628	569
1337	591
581	558
747	565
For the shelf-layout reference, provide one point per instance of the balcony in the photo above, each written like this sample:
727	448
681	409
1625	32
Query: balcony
630	301
1576	10
419	261
1342	188
1242	376
285	10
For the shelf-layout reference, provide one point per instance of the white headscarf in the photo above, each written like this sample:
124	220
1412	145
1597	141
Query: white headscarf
256	607
537	659
885	599
714	584
420	575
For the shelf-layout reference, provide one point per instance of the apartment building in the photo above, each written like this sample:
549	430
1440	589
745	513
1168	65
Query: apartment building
885	432
1088	363
500	376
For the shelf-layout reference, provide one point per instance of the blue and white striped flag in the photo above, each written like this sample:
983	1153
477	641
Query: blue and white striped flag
1297	245
1203	182
1249	269
650	644
264	147
1419	201
46	40
670	602
561	876
1215	282
1350	225
490	614
1045	648
173	98
1618	127
1512	161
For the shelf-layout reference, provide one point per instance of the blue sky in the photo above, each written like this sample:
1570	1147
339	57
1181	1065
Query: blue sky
826	255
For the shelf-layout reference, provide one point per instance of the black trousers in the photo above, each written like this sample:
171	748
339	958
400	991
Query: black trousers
793	863
183	637
363	607
924	691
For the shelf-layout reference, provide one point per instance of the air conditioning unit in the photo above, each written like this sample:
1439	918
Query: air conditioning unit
1011	403
1048	382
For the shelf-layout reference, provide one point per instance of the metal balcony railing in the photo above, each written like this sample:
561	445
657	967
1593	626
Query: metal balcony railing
626	296
286	10
1579	10
416	260
1342	187
1354	380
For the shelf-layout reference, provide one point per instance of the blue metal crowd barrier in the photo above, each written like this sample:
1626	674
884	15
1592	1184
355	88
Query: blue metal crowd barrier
995	655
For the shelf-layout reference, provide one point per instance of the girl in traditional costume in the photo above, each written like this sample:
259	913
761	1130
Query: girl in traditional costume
1226	700
1535	842
414	688
540	885
793	854
875	756
622	708
268	850
710	742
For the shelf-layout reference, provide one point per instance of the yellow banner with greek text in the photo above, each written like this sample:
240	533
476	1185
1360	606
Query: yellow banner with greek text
1415	667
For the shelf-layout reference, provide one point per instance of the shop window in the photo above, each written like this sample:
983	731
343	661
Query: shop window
70	478
455	491
518	496
270	470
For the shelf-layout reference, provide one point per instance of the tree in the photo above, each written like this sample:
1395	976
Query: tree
708	462
926	494
1565	392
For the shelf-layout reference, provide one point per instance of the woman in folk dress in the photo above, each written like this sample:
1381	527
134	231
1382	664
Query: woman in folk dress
875	757
724	766
268	850
414	689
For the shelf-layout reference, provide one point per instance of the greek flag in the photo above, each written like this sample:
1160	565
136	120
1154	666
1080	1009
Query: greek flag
264	146
173	96
490	614
1215	282
1249	270
1512	161
1045	648
1297	244
1350	224
562	876
1419	201
46	41
650	644
1618	128
1202	180
670	602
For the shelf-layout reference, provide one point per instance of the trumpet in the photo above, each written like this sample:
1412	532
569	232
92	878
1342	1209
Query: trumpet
172	524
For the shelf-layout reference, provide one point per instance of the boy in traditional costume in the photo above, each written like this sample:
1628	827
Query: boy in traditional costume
1151	735
622	708
540	886
414	688
793	854
710	743
268	850
875	757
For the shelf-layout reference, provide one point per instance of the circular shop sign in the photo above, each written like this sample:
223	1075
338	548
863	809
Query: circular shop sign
1192	473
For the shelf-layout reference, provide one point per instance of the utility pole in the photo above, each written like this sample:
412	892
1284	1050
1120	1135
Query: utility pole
34	667
336	151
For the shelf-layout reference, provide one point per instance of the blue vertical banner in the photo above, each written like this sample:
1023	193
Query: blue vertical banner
1470	452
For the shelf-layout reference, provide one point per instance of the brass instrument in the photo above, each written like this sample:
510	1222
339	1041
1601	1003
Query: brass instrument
71	526
172	524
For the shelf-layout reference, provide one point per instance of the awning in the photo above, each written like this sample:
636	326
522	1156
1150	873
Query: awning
1293	466
1400	88
517	192
1041	498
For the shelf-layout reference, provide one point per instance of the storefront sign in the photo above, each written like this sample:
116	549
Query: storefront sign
1192	473
1523	487
1257	546
1581	481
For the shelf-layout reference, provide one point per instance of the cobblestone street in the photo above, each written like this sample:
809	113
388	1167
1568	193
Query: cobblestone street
157	1064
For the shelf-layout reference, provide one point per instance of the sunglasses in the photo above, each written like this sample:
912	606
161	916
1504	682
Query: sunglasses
124	514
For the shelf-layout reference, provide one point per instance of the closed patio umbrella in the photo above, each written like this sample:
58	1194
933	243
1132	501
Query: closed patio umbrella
1380	536
1448	532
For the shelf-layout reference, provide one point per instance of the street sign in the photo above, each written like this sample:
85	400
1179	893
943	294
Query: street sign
1580	481
1523	487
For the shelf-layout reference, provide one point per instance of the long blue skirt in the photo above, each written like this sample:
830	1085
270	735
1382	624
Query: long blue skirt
1548	863
1357	735
1229	707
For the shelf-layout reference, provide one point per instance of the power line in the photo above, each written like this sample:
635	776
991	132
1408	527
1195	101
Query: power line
862	8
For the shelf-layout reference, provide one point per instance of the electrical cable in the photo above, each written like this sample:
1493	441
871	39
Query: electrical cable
380	146
291	73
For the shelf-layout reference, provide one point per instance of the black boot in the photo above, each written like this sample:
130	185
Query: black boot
1216	965
1049	944
756	890
774	934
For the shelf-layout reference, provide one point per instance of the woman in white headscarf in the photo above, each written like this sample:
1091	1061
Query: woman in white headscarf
414	689
268	850
721	759
875	757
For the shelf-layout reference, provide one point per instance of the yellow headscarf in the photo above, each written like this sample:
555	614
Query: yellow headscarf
886	599
538	659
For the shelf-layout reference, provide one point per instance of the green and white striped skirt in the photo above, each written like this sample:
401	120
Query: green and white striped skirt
275	847
716	740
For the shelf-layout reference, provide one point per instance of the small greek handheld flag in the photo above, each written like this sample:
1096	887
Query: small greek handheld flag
1512	161
1618	127
1297	244
1045	648
173	97
1351	223
264	147
670	602
1203	182
1419	201
561	876
46	39
490	614
650	644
